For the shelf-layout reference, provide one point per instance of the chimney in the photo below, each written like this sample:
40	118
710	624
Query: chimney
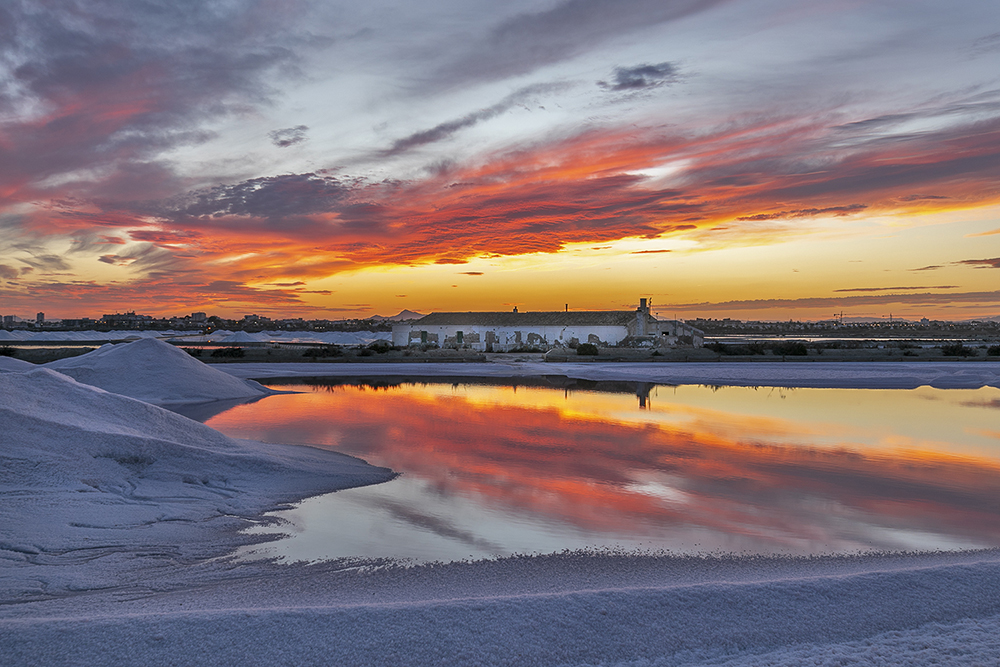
640	318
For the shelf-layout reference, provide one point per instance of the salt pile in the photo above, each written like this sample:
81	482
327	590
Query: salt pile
86	473
11	365
156	372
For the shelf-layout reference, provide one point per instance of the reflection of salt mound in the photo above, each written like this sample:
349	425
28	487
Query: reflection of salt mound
79	463
155	372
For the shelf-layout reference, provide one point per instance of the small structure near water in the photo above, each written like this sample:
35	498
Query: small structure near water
502	332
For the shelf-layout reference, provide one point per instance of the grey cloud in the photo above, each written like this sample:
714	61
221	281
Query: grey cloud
8	272
288	136
45	262
271	197
125	81
531	40
447	129
640	77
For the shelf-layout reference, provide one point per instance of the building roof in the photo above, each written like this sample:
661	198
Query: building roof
575	318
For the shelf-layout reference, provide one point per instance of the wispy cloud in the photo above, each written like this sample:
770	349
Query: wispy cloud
529	41
896	289
982	263
445	130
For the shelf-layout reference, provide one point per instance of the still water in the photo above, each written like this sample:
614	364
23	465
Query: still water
492	469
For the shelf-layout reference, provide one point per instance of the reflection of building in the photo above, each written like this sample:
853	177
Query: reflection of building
506	331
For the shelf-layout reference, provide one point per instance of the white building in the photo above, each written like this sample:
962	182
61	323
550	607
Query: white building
501	332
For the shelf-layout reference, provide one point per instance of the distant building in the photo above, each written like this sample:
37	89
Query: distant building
199	317
8	320
127	320
40	318
499	332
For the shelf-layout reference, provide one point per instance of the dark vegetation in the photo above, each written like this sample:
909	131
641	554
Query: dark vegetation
586	350
958	350
323	352
229	353
8	351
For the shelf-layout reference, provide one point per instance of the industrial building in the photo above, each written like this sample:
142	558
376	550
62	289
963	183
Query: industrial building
505	331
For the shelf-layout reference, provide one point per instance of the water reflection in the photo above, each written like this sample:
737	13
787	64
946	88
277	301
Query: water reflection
491	469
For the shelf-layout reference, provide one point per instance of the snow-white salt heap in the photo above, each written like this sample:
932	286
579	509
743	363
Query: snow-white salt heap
11	365
85	473
156	372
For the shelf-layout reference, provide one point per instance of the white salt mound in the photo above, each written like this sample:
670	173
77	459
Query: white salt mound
82	468
155	372
11	365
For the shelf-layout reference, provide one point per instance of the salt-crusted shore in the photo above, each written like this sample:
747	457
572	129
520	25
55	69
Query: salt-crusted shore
849	375
117	518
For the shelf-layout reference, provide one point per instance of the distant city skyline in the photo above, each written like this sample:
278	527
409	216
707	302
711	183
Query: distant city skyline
753	159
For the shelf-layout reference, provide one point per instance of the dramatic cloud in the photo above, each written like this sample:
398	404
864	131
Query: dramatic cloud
288	136
640	77
94	85
138	140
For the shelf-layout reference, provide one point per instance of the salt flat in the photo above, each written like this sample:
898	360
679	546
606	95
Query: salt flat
851	375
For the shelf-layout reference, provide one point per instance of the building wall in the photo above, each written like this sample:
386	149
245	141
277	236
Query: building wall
482	338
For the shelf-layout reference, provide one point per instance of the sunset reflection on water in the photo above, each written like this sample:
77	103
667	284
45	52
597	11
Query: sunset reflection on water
494	469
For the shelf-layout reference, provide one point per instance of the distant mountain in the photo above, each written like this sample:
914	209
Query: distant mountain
405	315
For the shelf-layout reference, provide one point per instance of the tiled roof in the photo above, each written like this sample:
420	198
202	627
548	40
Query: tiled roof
574	318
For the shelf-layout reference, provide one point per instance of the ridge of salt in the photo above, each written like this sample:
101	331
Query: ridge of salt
156	372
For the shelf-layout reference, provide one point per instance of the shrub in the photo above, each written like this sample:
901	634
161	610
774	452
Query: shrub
792	348
586	349
380	346
957	350
323	351
193	351
737	350
229	353
8	351
365	352
993	351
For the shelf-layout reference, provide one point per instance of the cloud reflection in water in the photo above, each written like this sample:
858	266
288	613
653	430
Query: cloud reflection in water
501	469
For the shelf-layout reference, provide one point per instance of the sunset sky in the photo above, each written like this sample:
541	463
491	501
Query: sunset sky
756	159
